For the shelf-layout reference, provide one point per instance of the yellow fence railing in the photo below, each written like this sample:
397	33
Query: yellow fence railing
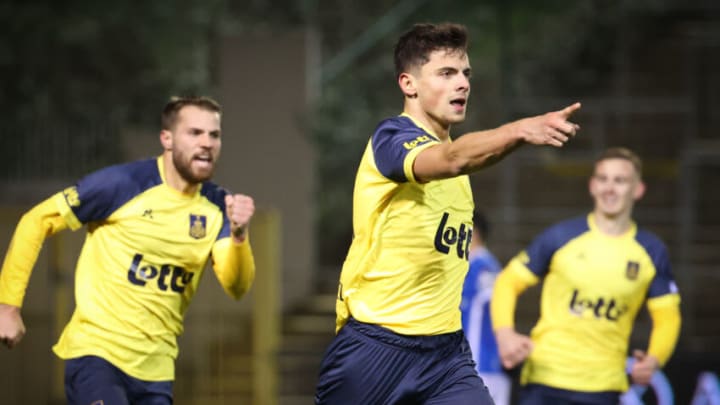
266	307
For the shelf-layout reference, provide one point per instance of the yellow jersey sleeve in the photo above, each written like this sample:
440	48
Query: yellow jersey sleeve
509	284
234	266
41	222
666	319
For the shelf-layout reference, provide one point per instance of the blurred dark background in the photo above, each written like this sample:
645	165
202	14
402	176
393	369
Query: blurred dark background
303	84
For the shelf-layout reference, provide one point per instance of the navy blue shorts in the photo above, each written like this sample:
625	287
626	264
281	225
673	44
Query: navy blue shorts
536	394
368	364
91	380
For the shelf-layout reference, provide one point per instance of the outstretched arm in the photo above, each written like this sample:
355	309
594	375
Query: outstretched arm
666	320
233	260
34	227
476	150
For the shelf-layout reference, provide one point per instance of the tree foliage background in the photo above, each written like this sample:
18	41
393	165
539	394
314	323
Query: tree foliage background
518	48
75	72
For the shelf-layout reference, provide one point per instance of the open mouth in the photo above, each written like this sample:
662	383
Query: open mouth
458	102
203	159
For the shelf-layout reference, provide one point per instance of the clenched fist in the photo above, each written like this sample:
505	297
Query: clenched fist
239	209
513	347
12	328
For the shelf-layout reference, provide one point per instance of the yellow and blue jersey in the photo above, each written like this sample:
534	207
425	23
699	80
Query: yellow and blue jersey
147	245
594	285
409	254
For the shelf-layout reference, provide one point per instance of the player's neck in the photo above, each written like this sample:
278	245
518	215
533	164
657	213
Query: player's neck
612	225
438	129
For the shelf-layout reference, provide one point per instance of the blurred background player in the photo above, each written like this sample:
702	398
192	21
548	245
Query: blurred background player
597	270
475	308
152	225
399	331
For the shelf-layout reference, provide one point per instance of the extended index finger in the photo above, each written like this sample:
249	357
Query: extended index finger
569	110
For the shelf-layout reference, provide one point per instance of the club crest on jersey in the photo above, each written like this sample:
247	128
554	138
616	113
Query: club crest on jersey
198	226
632	270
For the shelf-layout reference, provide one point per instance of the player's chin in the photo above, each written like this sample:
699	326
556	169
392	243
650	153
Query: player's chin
201	175
456	118
611	212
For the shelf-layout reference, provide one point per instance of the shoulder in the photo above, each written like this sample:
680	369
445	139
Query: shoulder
565	230
102	192
396	125
651	243
394	144
646	237
215	194
140	174
125	179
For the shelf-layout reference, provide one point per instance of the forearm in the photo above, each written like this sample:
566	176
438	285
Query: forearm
34	227
666	318
477	150
469	153
234	266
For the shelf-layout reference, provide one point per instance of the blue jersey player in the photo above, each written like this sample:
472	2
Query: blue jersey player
152	225
598	270
475	308
399	333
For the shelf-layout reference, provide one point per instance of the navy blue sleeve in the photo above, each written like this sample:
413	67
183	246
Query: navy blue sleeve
393	139
104	191
663	283
216	195
542	249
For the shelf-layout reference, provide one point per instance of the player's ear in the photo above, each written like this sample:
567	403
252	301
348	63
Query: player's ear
639	190
166	139
406	81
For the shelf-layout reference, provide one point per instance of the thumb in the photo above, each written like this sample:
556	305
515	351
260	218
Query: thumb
228	200
638	354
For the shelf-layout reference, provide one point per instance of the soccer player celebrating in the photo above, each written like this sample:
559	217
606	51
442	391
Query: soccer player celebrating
597	270
152	225
399	334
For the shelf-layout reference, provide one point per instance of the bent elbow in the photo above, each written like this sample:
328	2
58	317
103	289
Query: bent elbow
240	287
457	164
238	291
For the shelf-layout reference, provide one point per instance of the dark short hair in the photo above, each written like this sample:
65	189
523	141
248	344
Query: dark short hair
622	153
481	223
414	47
175	104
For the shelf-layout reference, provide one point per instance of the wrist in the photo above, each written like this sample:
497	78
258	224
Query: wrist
504	331
515	131
239	235
4	307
